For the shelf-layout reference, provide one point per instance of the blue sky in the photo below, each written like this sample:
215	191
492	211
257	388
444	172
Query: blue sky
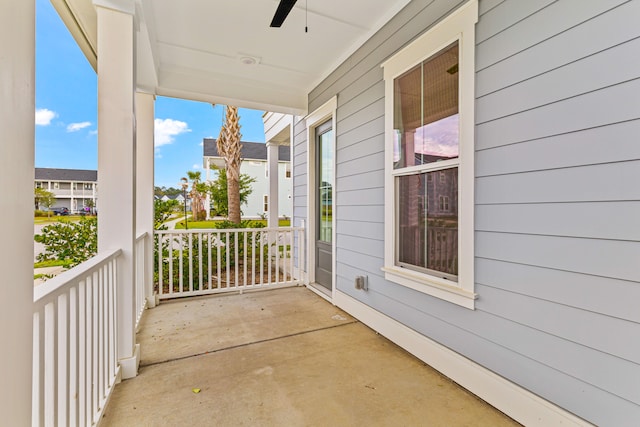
66	111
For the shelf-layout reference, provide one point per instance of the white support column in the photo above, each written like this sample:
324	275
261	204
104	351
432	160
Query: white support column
117	164
17	111
145	104
272	167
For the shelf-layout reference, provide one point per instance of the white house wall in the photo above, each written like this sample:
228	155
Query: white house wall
557	198
255	206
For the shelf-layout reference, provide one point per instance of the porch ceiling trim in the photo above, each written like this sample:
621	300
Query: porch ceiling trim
196	50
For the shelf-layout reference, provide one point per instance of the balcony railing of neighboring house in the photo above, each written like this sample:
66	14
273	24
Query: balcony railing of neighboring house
74	343
61	192
201	262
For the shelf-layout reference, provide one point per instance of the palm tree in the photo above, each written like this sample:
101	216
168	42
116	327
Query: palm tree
196	194
90	204
229	148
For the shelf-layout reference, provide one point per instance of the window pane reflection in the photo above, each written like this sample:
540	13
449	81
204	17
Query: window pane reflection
428	221
426	111
325	187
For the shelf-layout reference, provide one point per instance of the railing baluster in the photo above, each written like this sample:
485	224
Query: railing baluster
94	340
170	254
62	356
253	258
49	364
82	357
199	261
190	241
219	259
73	356
38	389
228	256
269	267
277	272
209	260
262	235
235	253
160	259
244	258
180	266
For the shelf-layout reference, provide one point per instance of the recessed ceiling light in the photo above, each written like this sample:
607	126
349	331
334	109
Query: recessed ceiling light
248	60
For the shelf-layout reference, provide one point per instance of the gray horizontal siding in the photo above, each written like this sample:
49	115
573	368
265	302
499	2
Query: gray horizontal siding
591	220
362	229
531	93
557	200
604	182
598	108
584	147
604	258
579	290
529	23
299	173
536	59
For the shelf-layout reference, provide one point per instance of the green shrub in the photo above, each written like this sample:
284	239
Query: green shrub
38	213
74	242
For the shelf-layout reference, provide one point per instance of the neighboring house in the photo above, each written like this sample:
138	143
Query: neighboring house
531	109
179	198
72	188
254	163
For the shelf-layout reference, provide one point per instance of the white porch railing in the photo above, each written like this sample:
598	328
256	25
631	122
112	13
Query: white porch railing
74	343
200	262
141	276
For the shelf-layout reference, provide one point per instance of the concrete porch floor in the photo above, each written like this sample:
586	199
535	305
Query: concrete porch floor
281	358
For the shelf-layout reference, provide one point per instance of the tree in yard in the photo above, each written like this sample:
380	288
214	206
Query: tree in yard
197	195
218	191
162	211
90	204
229	149
44	198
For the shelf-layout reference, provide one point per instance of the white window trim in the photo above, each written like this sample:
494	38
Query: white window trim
460	26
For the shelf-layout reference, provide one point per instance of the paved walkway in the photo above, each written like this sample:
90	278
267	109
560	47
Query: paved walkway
281	358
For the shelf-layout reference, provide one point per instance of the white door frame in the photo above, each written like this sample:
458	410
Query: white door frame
319	116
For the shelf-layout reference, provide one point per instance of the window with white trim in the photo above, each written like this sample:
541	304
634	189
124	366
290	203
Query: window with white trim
265	203
429	146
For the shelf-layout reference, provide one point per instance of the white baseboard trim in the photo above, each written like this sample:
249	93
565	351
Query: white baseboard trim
518	403
315	288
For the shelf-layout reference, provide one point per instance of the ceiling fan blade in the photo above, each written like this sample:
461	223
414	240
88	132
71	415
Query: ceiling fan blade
282	12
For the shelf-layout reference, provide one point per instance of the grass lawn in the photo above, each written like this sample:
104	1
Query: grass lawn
212	223
51	263
54	218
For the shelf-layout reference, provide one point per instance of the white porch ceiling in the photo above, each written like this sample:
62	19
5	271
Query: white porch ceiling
193	49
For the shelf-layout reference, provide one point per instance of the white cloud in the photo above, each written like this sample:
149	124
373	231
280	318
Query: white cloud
165	130
44	116
195	166
74	127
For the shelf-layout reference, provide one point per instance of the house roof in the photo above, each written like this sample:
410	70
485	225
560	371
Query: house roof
52	174
250	150
226	53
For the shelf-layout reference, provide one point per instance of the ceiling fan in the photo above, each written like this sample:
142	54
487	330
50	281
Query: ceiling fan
282	12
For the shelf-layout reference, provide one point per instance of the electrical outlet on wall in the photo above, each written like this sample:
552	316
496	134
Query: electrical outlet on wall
361	283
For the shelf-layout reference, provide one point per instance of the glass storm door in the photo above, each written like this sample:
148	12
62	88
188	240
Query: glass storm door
324	204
